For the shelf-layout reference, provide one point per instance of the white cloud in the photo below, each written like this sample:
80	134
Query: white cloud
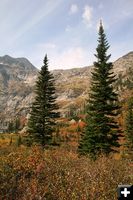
73	9
70	58
87	15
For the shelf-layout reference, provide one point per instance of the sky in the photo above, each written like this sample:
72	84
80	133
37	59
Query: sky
65	30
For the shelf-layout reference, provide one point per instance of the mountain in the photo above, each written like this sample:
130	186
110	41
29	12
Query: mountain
16	69
124	63
72	85
18	76
123	67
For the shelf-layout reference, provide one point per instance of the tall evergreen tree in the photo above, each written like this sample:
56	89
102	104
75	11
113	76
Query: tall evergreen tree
17	124
44	109
101	132
129	125
11	127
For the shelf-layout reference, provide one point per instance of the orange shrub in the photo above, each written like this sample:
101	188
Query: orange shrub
32	173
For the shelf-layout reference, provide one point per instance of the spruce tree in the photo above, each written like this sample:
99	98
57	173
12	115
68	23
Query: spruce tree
11	127
102	131
44	112
129	125
16	124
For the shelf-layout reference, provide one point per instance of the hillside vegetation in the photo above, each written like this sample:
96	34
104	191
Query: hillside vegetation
32	173
82	154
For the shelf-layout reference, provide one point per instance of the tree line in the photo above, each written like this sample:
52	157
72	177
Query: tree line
101	133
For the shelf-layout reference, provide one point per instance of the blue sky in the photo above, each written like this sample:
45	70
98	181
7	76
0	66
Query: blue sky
64	29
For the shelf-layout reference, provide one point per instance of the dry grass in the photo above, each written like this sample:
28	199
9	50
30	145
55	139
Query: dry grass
7	139
58	174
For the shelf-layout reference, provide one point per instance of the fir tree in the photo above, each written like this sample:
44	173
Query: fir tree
129	125
11	127
44	109
101	132
17	124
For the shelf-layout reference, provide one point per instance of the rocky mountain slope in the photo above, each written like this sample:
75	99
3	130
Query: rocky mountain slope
73	84
18	75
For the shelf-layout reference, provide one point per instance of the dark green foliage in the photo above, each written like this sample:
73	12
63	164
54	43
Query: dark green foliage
129	125
17	124
11	127
101	132
14	125
44	113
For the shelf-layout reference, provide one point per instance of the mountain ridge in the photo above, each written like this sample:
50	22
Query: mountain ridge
18	76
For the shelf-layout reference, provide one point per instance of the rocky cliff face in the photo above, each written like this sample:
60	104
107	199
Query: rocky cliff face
18	75
123	67
124	63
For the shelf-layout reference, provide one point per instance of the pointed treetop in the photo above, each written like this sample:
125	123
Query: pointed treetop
45	61
101	22
101	28
45	58
101	25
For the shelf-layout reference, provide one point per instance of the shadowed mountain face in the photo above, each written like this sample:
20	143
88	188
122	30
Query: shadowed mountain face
18	76
19	69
